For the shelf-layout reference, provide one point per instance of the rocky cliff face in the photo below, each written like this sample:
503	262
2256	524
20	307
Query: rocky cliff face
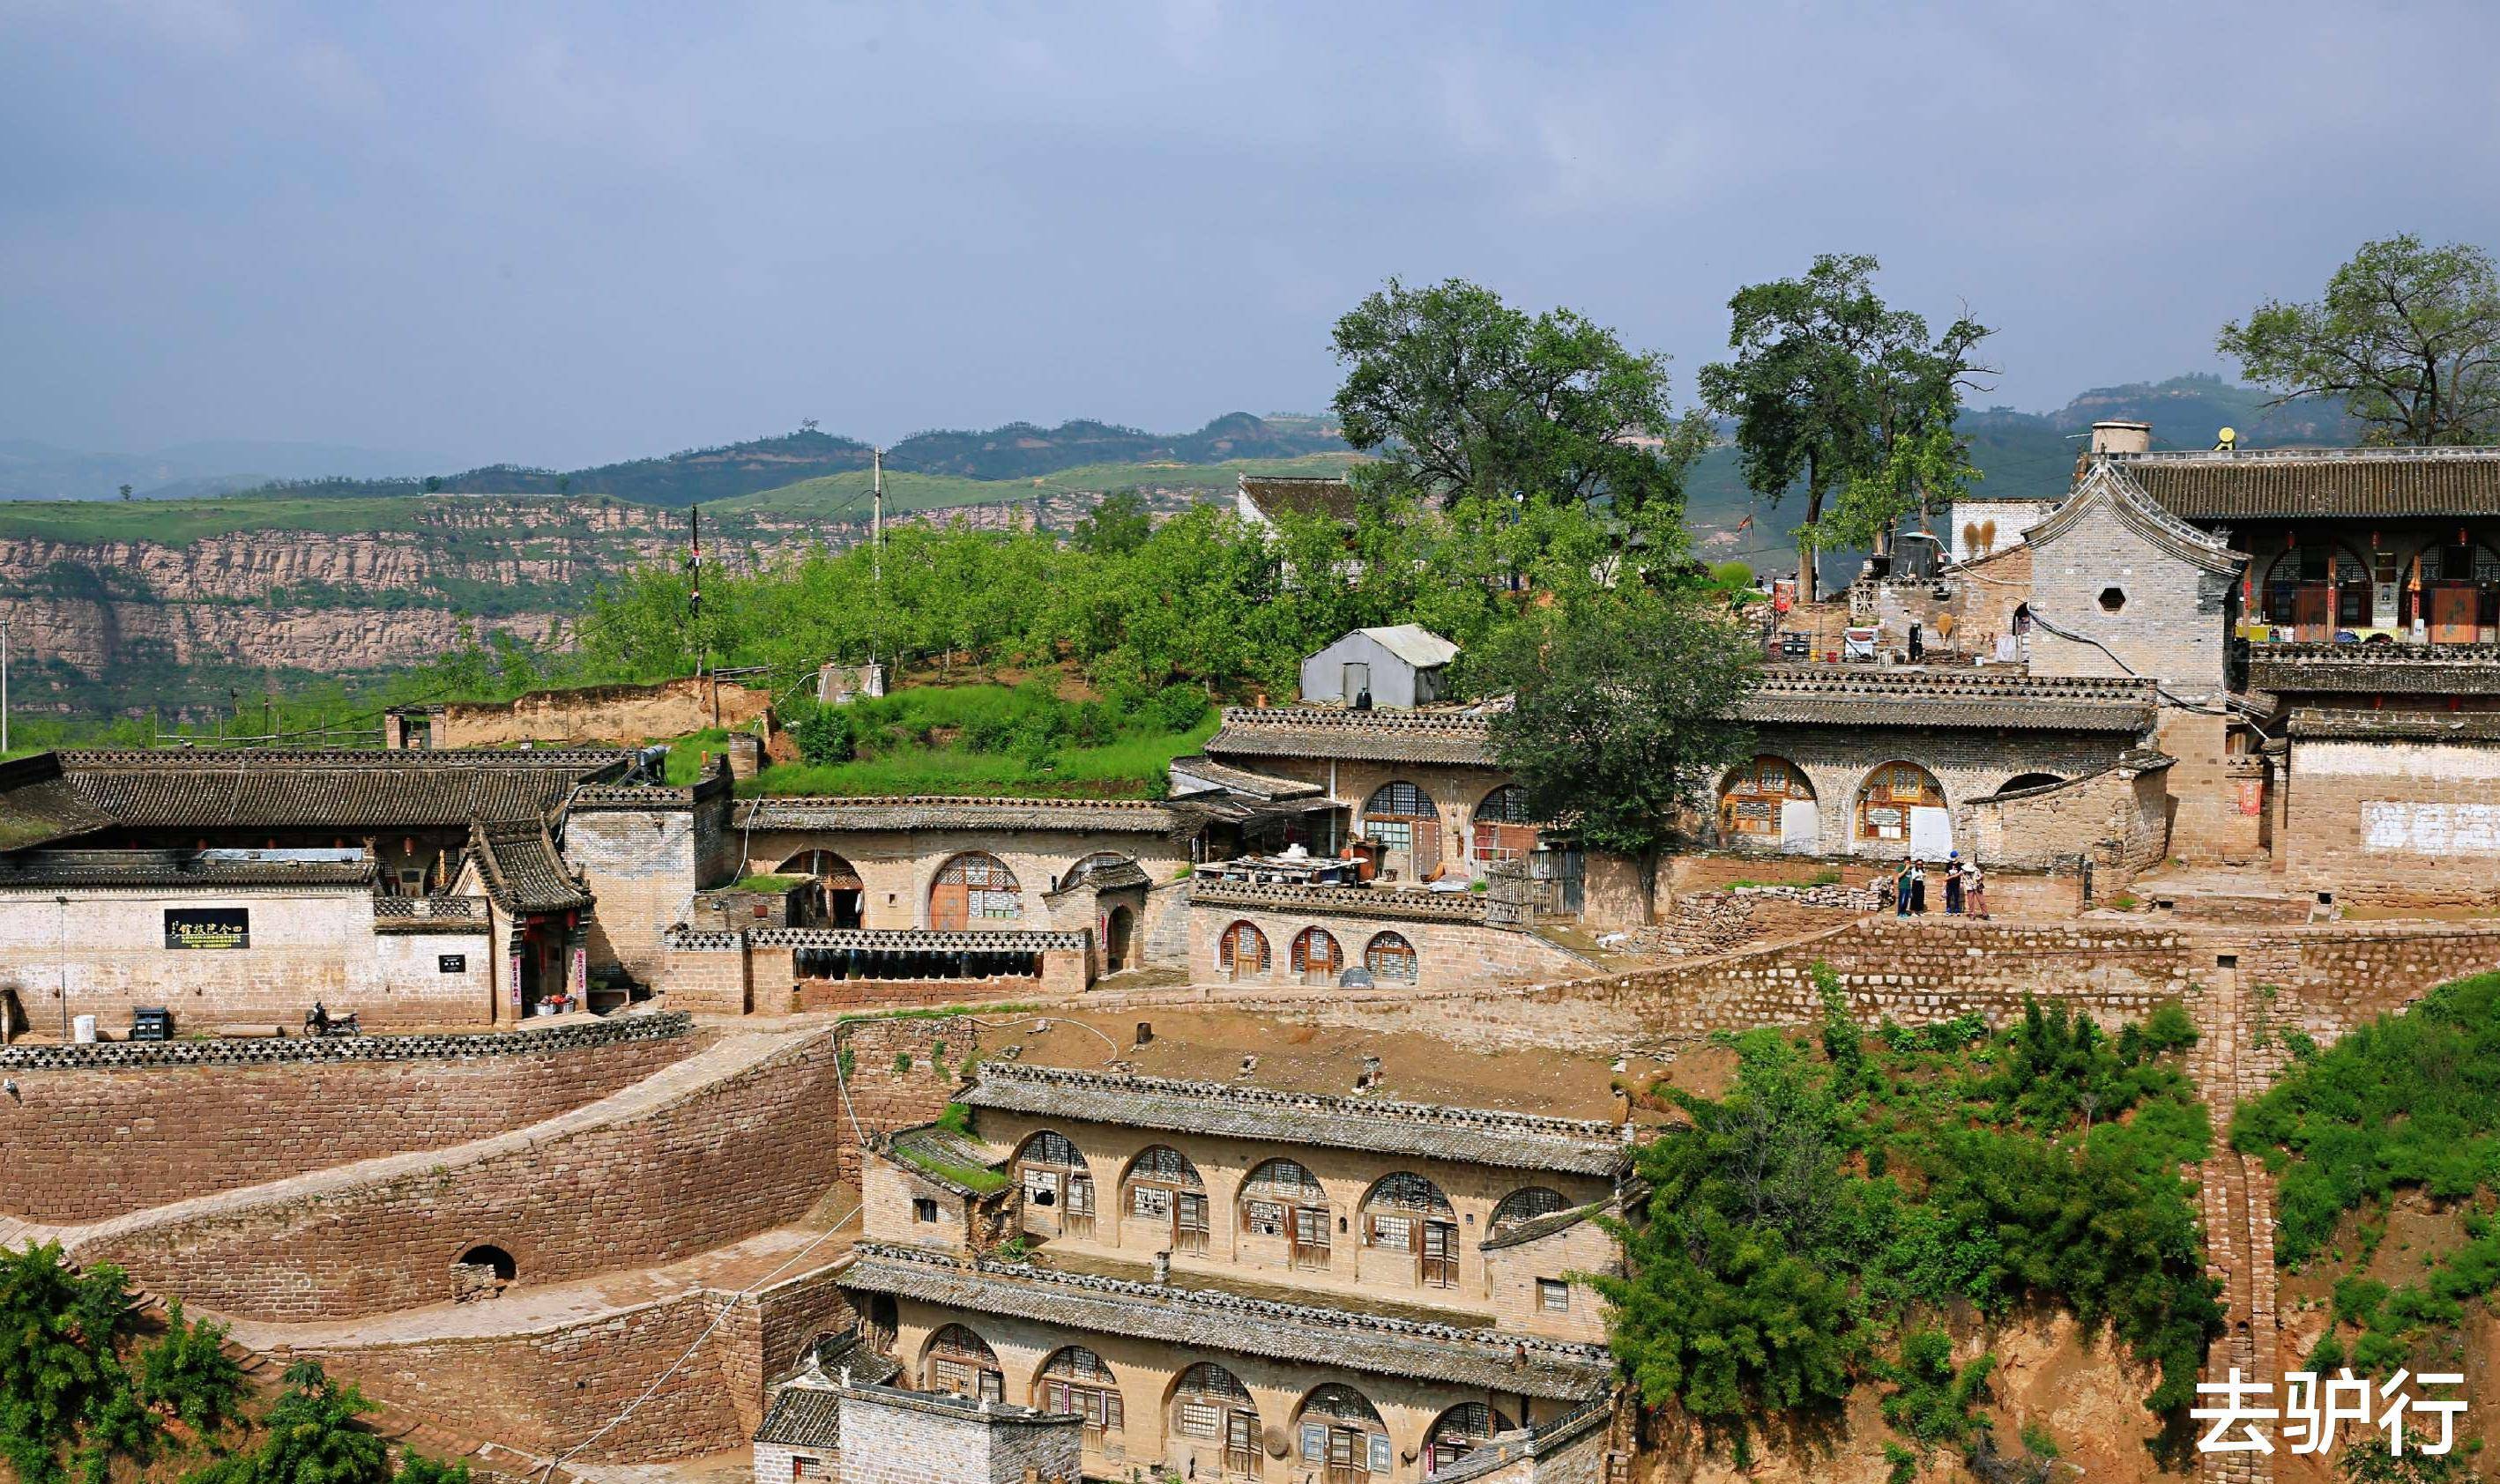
128	624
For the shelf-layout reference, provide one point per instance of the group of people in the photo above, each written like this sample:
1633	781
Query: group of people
1965	889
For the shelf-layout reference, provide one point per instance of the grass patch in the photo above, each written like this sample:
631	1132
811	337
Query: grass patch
996	739
2410	1102
768	884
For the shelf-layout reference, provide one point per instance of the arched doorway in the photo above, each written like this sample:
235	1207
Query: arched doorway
1460	1431
1167	1199
1075	1380
1058	1186
1753	800
971	890
1391	958
1285	1215
1339	1435
1404	1213
1316	958
1210	1405
1119	928
1403	820
961	1364
1242	951
1889	804
839	898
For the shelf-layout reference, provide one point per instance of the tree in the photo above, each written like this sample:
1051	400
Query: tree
1116	526
1462	395
125	492
309	1436
2408	335
1622	714
68	1400
1827	383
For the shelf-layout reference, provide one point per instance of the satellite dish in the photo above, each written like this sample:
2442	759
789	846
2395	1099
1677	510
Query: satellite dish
2228	438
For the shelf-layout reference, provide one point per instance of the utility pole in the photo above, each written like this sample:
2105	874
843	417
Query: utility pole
877	554
3	686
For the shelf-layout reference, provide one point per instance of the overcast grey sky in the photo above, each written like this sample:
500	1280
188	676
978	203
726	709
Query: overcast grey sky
566	232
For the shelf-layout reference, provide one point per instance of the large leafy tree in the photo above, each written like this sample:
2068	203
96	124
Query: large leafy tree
70	1402
1462	394
2407	335
1622	713
313	1435
1828	386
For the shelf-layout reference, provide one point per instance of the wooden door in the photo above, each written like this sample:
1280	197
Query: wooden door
950	907
1346	1457
1439	1261
1189	1222
2312	612
1428	847
1241	1443
1310	1238
2451	613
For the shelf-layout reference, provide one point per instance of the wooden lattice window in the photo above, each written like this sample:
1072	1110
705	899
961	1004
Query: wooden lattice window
1754	795
1243	950
1391	958
1891	791
1521	1207
974	888
1316	958
1076	1381
1503	829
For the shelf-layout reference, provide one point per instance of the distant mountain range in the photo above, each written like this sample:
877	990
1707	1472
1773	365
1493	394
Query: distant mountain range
2020	453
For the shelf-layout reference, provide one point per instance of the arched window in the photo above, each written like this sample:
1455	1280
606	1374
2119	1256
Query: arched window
974	888
1164	1192
1406	1214
1085	869
1391	958
1075	1380
1242	951
1459	1431
1502	830
1283	1204
962	1363
1403	821
1889	794
1753	800
1316	956
1211	1405
1339	1430
1521	1207
1058	1186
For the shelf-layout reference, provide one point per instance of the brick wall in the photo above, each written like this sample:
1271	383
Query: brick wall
685	1173
897	868
888	1438
1446	953
2118	818
624	715
645	867
1967	764
2403	823
88	1144
306	943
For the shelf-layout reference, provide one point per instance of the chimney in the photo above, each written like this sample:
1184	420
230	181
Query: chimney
1162	1269
2121	437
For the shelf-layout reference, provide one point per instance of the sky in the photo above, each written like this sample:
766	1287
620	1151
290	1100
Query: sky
560	234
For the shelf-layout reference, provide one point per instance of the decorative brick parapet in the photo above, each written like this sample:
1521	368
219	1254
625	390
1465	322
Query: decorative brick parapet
1311	1104
235	1051
1342	901
891	940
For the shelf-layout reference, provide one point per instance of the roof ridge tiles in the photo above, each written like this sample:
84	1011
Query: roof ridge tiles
1269	1308
1439	1114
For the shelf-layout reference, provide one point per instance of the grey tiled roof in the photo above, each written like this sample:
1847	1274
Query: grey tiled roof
1461	1135
1374	736
1241	781
2389	669
183	789
521	869
204	869
937	812
1199	1319
804	1417
928	1148
38	805
1838	696
1401	903
1304	496
2317	724
2289	483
